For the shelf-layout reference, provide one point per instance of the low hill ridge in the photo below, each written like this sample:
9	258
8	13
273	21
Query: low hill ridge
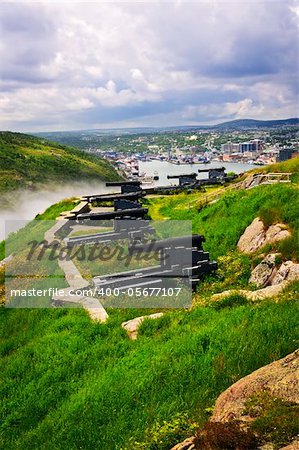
252	123
28	160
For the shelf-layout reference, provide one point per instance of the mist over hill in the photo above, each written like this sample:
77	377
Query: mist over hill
28	161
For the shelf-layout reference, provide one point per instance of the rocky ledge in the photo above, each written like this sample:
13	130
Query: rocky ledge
256	235
278	380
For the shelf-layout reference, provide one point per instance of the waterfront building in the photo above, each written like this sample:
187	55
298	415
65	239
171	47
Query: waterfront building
287	153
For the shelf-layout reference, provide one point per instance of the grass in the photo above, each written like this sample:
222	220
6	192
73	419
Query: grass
222	223
17	243
67	380
291	166
274	419
71	383
90	230
36	228
27	161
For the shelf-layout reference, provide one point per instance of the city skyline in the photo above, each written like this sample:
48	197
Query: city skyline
104	65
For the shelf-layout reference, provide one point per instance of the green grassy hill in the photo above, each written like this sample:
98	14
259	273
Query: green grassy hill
223	222
28	160
70	383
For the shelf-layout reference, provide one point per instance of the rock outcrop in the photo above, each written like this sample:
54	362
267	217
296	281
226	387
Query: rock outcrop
253	237
131	326
288	271
187	444
256	236
276	233
262	273
280	379
266	275
293	446
259	294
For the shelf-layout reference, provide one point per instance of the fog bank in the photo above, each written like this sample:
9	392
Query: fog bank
24	205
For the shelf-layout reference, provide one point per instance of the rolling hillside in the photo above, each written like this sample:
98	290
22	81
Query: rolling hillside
27	161
252	123
69	382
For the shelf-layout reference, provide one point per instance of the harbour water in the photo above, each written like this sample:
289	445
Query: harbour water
164	168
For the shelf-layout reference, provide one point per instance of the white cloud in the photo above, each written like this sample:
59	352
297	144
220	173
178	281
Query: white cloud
180	61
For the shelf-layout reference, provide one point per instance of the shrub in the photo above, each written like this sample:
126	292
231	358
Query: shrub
289	247
230	301
162	436
233	269
270	215
275	420
225	436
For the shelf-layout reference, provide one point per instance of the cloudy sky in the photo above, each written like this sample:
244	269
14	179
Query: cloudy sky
94	65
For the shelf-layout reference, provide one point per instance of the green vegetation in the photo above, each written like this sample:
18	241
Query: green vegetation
274	420
16	243
27	161
228	436
291	166
169	432
34	229
222	223
230	301
68	380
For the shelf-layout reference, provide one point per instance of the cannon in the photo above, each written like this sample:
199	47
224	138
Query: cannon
126	186
111	197
134	230
216	176
126	204
180	258
184	179
184	175
108	215
215	173
123	183
194	240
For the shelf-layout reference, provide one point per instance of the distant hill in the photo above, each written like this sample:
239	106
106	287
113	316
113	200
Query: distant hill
75	137
28	160
251	123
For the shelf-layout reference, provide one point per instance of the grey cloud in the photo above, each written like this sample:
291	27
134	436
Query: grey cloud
121	62
28	37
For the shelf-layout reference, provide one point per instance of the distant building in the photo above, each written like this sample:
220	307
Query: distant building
257	145
246	147
230	147
226	148
287	153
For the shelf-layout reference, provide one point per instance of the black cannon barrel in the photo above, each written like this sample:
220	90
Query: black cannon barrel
111	197
140	212
184	175
124	183
182	241
217	169
207	181
126	188
125	204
